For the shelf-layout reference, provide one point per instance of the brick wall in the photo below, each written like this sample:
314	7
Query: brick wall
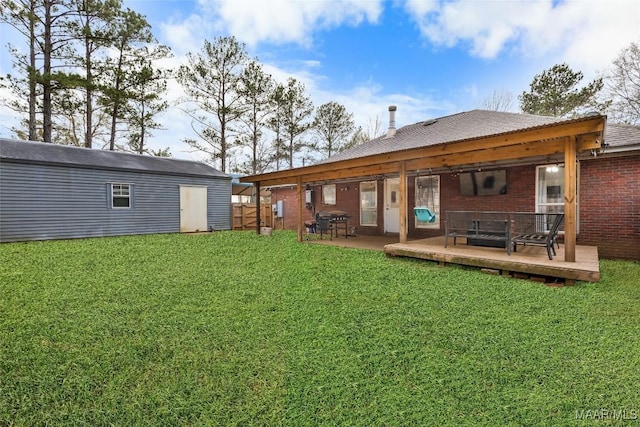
289	197
520	196
347	199
610	206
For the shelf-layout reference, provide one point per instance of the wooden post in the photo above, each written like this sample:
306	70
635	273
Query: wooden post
257	185
300	206
570	196
402	199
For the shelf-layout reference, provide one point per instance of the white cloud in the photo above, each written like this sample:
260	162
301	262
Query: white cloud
368	100
586	34
486	26
284	21
183	36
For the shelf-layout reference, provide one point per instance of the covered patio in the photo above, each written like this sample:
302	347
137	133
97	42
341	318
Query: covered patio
558	140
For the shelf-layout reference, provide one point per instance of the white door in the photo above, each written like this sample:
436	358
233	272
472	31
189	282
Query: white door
392	205
193	209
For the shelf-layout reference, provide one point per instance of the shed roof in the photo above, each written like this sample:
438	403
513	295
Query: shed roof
64	155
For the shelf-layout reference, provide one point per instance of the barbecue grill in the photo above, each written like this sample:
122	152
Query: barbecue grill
331	222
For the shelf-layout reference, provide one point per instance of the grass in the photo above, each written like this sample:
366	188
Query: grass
232	328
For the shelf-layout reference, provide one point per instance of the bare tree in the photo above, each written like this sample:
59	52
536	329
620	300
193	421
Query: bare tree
623	84
362	135
501	100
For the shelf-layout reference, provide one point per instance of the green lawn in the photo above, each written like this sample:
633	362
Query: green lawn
232	328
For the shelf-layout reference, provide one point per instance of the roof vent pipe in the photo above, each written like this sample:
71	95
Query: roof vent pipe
392	121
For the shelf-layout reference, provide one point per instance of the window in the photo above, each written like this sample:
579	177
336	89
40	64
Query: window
550	190
329	194
121	196
428	195
368	203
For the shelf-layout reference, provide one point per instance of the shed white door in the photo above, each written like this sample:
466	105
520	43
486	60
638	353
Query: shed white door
392	205
193	209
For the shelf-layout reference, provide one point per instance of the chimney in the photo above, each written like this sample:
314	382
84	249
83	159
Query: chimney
392	121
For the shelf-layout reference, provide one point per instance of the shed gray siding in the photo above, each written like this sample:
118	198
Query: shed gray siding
45	201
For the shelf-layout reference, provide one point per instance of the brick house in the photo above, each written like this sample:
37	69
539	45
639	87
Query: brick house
607	189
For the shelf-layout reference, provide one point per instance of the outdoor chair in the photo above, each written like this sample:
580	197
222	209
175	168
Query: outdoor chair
548	239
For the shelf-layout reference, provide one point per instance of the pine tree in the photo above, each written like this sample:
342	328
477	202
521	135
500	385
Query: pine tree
211	80
554	93
334	125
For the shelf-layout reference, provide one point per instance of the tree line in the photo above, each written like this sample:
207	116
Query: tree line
234	103
88	75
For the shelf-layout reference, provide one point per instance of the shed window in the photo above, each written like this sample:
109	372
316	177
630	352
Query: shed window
329	194
121	196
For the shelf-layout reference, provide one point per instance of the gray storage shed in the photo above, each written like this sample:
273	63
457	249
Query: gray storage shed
50	191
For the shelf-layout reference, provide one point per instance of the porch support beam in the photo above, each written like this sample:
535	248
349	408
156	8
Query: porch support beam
433	158
403	198
520	144
258	220
300	207
370	170
570	196
529	149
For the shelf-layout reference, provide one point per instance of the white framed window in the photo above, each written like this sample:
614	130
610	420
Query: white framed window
121	196
368	203
428	195
329	194
550	189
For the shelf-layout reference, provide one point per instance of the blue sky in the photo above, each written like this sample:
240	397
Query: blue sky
430	58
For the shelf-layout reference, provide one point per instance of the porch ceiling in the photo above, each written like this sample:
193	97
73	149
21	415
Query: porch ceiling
539	142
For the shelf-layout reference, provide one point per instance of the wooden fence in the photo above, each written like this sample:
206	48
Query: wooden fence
244	216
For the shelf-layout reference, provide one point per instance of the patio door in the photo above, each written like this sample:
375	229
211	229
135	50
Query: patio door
392	205
193	209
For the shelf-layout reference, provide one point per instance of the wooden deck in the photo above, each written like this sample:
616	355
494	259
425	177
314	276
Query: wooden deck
528	261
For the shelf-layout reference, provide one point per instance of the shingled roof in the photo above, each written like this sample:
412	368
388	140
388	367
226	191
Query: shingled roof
55	154
472	125
617	136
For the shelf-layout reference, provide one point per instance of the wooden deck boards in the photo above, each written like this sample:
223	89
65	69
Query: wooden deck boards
531	260
528	260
